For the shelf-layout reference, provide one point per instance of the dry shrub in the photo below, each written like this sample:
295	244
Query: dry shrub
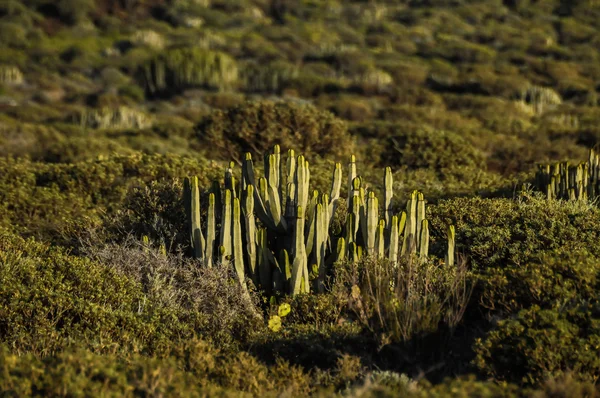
211	297
408	299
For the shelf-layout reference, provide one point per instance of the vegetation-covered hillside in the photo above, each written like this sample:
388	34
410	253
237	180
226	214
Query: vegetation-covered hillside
118	278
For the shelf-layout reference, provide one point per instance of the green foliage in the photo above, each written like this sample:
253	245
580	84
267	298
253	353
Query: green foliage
409	300
257	126
193	368
450	94
523	251
538	344
58	202
50	299
561	275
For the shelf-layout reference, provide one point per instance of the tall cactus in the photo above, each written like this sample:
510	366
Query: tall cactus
372	219
238	245
226	224
211	228
336	185
300	264
388	182
250	229
294	229
424	239
394	240
451	242
192	200
410	230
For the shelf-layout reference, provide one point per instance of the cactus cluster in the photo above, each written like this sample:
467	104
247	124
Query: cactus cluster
571	182
177	69
121	117
276	231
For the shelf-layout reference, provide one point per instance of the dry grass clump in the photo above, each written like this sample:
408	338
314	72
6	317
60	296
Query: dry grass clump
410	299
210	296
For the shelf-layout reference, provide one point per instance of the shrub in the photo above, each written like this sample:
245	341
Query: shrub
58	202
426	148
409	300
540	343
50	299
562	275
155	210
257	126
209	300
520	248
317	309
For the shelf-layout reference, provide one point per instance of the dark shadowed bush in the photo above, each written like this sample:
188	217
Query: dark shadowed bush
257	126
538	344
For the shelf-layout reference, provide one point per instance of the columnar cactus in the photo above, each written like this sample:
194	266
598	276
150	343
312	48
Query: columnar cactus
276	232
570	182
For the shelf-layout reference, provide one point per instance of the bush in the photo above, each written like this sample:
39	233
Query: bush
257	126
60	201
209	300
539	343
409	300
562	275
50	299
425	148
520	248
192	369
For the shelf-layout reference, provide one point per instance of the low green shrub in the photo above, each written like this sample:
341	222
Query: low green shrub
208	300
60	201
523	250
50	299
400	145
541	343
562	275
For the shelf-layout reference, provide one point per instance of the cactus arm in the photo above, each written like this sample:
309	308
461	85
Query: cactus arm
211	236
372	219
238	245
388	182
451	244
336	186
226	224
300	264
424	240
250	225
393	240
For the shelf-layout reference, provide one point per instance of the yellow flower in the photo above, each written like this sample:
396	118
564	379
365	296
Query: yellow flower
275	323
355	292
284	309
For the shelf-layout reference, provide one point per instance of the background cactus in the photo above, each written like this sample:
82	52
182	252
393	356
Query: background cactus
177	69
570	182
